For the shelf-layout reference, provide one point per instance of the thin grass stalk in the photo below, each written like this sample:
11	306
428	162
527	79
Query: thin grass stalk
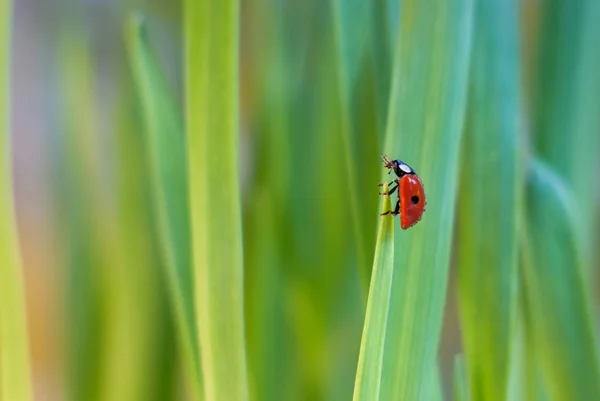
15	381
212	82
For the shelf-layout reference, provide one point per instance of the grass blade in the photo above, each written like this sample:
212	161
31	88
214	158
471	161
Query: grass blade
370	361
558	299
167	155
489	201
212	80
14	369
425	124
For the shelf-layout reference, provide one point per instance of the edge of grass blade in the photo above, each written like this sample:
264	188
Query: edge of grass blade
425	125
14	342
489	200
559	302
370	360
212	116
165	142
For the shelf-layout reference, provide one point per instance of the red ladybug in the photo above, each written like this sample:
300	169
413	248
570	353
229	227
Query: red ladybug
411	195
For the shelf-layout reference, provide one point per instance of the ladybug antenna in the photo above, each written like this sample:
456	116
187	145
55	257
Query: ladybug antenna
386	162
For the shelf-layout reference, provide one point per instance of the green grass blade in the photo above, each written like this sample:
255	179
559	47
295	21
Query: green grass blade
212	81
165	141
370	361
425	125
489	200
14	350
558	299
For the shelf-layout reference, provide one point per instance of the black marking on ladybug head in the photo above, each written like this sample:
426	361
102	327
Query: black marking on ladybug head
414	199
398	166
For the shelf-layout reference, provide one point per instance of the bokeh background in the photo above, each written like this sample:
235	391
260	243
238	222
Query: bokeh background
498	106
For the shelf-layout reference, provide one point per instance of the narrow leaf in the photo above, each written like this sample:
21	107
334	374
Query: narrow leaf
212	81
368	374
14	351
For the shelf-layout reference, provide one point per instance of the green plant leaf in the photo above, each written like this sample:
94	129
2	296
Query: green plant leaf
425	125
559	303
370	361
165	141
489	199
14	344
212	84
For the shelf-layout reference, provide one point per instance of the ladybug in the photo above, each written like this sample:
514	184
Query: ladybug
411	195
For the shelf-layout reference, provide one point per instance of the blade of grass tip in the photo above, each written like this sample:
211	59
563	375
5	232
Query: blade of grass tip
489	199
166	145
559	301
14	369
425	124
370	360
212	82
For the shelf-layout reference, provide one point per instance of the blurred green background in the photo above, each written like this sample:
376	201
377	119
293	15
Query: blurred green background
195	190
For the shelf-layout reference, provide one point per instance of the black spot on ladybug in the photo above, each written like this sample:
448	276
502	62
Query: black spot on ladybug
414	199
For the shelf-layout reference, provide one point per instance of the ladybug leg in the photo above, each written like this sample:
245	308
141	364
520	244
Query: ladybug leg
389	192
391	182
396	211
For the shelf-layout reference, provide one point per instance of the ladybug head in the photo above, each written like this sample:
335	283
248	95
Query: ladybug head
400	168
